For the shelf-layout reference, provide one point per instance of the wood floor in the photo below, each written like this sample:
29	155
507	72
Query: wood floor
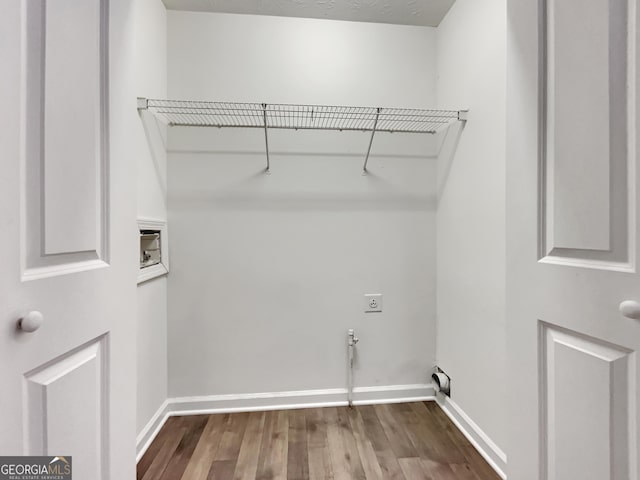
400	441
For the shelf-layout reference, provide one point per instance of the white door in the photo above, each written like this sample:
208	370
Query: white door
573	237
65	388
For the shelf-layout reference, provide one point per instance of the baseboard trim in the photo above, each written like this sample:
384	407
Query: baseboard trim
151	429
476	436
333	397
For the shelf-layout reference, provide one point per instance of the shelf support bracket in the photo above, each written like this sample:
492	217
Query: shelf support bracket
143	103
266	136
373	132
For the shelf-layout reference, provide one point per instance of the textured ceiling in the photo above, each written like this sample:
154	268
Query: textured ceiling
403	12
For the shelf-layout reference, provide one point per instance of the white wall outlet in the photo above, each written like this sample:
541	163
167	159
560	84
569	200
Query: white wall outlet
372	302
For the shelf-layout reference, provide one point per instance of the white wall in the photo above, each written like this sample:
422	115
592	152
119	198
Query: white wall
280	60
151	77
471	212
269	271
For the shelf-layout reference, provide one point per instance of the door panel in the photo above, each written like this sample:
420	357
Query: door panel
64	137
572	239
67	387
587	405
66	404
587	135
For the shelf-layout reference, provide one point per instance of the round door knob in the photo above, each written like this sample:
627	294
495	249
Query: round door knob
31	322
630	309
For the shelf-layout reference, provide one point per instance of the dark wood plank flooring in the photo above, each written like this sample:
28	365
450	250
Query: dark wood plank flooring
403	441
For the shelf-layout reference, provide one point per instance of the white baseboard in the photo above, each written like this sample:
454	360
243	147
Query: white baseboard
334	397
480	440
250	402
151	429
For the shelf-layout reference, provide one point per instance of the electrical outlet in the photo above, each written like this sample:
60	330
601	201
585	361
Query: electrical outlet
372	302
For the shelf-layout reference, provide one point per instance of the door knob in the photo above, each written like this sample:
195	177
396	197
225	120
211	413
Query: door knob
31	322
630	309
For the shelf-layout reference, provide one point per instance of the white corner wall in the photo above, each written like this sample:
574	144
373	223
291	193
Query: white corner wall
269	271
471	346
151	77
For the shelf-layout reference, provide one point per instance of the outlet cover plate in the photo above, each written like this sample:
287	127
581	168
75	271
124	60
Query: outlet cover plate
372	302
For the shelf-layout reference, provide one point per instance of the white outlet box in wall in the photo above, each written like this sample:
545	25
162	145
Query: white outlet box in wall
372	302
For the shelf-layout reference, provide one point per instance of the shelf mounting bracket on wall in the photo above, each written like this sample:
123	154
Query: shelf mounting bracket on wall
194	113
266	135
373	132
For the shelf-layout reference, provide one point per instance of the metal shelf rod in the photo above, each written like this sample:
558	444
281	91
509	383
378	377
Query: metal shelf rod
271	127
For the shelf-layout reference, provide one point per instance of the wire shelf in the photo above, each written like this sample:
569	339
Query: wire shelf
300	117
190	113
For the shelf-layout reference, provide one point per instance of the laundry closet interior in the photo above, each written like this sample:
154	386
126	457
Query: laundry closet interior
265	240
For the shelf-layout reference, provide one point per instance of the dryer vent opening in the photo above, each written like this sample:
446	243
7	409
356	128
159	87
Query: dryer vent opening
441	381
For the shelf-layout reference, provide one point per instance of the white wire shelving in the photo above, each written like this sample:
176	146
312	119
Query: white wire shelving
188	113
